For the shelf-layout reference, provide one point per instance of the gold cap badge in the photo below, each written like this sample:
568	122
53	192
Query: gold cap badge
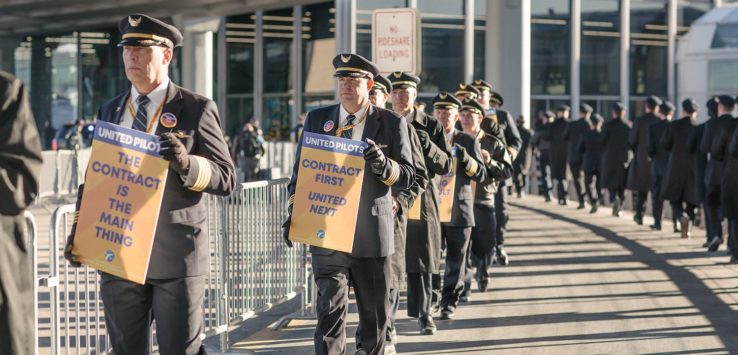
462	86
134	22
443	95
397	74
345	59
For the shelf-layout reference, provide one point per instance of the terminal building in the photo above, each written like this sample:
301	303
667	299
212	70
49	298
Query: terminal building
270	60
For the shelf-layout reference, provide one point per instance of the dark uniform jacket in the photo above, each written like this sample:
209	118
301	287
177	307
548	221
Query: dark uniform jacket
524	159
615	147
558	152
590	146
20	166
700	160
462	213
713	130
374	233
540	143
180	243
405	198
507	126
656	151
574	132
495	173
679	179
725	149
423	251
639	173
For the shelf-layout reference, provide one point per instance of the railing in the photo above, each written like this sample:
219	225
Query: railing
251	270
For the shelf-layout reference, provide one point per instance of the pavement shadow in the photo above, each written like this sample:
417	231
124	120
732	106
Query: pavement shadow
720	315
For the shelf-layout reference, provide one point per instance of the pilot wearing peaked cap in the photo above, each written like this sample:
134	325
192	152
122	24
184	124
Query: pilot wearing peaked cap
199	162
401	80
465	91
382	83
445	101
380	91
388	163
354	66
143	30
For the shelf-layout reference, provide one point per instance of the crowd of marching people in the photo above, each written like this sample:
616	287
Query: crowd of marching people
664	152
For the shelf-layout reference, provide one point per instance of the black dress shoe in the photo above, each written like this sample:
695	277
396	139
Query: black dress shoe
502	257
447	314
714	244
733	259
638	219
581	206
676	228
655	227
427	326
594	208
706	244
483	285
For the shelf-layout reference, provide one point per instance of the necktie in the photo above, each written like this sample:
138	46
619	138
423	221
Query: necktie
348	133
142	118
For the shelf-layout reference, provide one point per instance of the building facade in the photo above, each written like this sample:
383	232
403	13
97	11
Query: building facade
269	61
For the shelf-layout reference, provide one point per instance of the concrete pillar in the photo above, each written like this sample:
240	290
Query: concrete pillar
576	57
197	52
507	53
671	51
625	51
259	67
297	64
345	26
468	40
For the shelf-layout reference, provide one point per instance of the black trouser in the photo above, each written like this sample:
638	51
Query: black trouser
16	287
576	175
436	290
733	237
544	167
370	278
483	243
501	217
457	247
593	192
419	294
562	189
175	305
679	208
616	195
657	200
640	199
713	215
519	179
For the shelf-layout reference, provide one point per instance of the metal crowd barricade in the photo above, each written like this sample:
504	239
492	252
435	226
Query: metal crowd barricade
251	270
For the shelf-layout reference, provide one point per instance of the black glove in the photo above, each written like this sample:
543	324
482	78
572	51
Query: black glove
286	231
498	151
71	258
424	139
172	150
461	154
375	157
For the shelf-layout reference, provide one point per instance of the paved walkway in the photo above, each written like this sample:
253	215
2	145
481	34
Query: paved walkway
577	284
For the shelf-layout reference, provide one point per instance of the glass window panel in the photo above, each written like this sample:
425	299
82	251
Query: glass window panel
64	91
600	67
240	39
102	69
240	111
276	117
688	12
726	36
723	76
278	33
648	47
318	48
550	45
442	26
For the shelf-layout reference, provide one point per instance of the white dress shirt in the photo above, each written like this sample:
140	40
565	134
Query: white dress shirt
358	130
156	97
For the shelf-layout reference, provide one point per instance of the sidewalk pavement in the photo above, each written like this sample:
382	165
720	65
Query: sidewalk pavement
577	284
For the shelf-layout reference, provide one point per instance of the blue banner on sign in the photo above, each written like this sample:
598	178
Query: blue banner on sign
333	144
127	138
